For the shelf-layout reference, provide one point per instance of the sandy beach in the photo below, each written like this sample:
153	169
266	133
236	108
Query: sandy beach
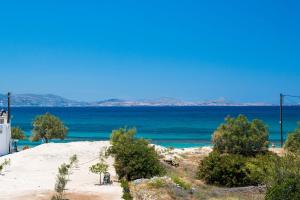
32	173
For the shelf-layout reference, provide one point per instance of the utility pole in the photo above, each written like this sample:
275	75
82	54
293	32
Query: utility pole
281	124
8	108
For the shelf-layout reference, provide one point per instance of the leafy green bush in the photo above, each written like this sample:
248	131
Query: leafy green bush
226	170
134	158
292	143
239	136
261	166
232	170
284	180
289	189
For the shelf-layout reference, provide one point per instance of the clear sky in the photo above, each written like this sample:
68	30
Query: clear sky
245	51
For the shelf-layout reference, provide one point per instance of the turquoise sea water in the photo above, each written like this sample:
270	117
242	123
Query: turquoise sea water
167	126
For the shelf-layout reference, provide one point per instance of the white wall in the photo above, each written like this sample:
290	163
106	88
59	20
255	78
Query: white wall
5	136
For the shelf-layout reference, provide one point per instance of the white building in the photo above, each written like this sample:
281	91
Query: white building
5	134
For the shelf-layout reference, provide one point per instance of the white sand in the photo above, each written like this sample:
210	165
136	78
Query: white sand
32	172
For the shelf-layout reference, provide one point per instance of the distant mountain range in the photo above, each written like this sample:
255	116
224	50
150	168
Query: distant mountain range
50	100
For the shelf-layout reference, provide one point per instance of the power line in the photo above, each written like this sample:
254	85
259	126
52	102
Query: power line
287	95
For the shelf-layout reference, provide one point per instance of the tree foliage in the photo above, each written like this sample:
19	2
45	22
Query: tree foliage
48	127
101	167
239	136
134	158
17	133
292	144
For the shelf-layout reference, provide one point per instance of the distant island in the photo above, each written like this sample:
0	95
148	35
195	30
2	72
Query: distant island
50	100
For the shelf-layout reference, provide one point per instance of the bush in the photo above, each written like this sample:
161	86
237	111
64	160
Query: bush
232	170
284	181
134	158
292	143
289	189
239	136
225	170
261	166
126	190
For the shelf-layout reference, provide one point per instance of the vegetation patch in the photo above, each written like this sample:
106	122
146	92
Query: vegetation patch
292	143
100	167
181	183
284	180
157	182
62	178
239	136
126	190
17	133
4	164
134	158
48	127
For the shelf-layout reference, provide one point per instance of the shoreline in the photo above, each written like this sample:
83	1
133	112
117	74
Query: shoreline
32	172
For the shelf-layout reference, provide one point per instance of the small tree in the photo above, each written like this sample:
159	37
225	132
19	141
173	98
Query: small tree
292	143
134	158
48	127
62	178
73	160
101	167
5	163
239	136
17	133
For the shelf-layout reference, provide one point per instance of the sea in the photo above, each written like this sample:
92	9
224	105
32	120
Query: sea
178	127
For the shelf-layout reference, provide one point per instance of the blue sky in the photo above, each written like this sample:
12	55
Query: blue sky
245	51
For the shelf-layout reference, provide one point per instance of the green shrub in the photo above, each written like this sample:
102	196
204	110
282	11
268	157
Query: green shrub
126	190
261	166
134	158
224	170
181	183
284	181
239	136
289	189
232	170
292	143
